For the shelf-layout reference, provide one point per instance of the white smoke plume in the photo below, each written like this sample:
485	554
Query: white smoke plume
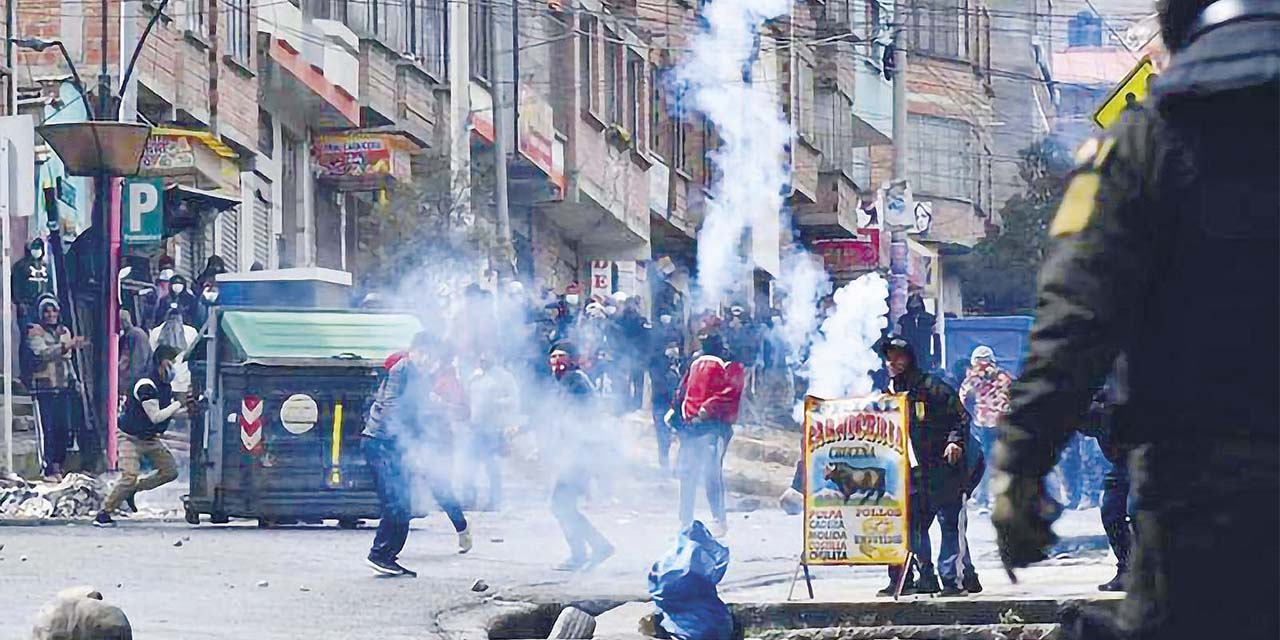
751	172
842	354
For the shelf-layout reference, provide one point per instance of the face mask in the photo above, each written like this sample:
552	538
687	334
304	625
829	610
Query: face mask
664	319
673	352
37	254
177	288
210	295
571	299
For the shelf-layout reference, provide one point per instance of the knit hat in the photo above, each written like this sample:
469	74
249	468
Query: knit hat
982	353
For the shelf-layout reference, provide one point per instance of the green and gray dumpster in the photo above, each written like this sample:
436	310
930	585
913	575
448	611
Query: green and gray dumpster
286	395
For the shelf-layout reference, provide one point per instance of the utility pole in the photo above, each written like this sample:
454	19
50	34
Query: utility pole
459	72
899	260
502	108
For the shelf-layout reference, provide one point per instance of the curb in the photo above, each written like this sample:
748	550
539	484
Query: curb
86	521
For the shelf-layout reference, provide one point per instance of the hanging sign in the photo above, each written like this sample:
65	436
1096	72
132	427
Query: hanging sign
855	480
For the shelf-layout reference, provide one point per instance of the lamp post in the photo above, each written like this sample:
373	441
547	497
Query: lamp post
104	149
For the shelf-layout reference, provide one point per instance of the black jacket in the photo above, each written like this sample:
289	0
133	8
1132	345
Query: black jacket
1165	248
134	420
937	419
30	279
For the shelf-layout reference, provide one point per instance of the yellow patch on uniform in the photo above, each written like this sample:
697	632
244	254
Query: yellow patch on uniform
1093	152
1104	150
1086	151
1077	205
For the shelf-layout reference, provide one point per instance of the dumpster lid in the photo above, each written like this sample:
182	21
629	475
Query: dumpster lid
311	338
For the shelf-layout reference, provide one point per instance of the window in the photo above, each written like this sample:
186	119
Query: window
198	17
935	27
238	32
428	42
942	157
612	62
634	104
587	61
678	150
481	41
326	10
266	134
799	106
381	19
655	111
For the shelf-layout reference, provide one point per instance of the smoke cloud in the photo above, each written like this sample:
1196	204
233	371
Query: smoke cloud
843	350
750	162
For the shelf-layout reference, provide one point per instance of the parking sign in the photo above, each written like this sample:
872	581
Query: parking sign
143	210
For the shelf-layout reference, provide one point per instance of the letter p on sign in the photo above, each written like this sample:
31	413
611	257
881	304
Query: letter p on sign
143	211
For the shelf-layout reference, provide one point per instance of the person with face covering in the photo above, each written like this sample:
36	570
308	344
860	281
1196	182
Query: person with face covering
148	412
214	267
135	353
709	399
204	305
31	279
407	421
54	385
587	546
179	299
666	367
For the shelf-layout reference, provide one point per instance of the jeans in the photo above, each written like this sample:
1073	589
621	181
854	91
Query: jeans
485	447
701	460
55	427
923	512
393	494
579	533
133	451
987	438
661	430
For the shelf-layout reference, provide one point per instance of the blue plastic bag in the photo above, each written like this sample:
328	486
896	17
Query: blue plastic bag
683	587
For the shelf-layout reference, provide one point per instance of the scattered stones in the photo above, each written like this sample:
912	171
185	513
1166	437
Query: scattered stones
494	540
186	538
479	586
22	559
262	583
79	612
304	589
76	496
177	543
573	624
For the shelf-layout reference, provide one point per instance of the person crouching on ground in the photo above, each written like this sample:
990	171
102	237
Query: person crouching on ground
587	546
148	410
710	394
402	405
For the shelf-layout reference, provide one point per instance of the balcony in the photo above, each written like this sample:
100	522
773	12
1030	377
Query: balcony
313	64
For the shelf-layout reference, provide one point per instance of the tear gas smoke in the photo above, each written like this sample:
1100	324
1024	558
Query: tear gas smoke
751	171
751	177
843	351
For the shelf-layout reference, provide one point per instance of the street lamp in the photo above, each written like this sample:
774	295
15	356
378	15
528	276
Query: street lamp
40	44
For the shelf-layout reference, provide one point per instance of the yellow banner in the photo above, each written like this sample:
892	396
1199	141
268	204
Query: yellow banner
856	478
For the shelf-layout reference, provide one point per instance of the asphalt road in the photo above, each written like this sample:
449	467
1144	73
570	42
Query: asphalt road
318	587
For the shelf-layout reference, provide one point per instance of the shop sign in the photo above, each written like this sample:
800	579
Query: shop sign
359	160
846	258
856	466
165	154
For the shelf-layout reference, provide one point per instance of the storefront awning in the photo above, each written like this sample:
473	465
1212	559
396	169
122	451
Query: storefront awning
362	161
196	158
186	206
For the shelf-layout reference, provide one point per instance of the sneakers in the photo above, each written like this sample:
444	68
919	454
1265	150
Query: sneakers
952	591
464	540
908	589
971	584
928	583
718	529
1115	584
103	519
388	567
133	506
599	557
572	564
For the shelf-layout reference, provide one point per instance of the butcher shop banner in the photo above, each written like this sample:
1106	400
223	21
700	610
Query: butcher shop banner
855	480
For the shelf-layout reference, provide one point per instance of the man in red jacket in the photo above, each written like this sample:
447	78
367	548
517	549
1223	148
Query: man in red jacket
708	397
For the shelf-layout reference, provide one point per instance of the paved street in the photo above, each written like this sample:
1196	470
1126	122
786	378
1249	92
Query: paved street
317	586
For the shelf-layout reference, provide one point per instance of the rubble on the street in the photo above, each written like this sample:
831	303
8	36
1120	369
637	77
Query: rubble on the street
79	612
76	496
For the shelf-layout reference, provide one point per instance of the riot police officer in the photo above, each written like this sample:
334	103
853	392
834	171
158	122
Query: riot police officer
1165	247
